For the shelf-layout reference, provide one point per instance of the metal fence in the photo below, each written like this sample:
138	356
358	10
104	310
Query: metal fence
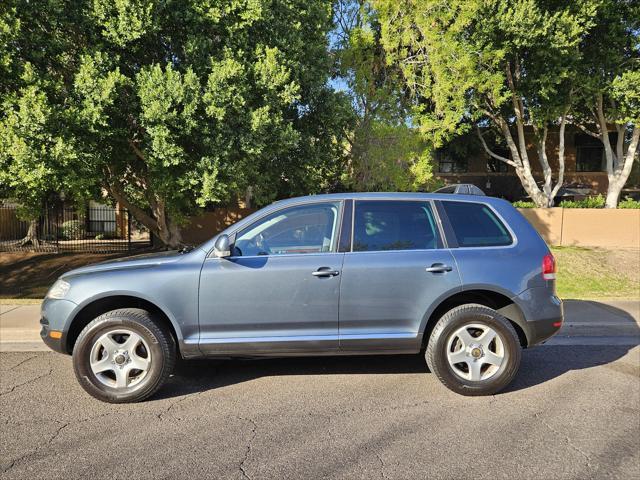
63	229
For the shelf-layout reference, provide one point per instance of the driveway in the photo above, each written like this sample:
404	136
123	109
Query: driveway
573	412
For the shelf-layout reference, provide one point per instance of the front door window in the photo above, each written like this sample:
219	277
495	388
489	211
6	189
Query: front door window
309	228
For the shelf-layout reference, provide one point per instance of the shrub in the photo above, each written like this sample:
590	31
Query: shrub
73	230
589	202
629	202
524	204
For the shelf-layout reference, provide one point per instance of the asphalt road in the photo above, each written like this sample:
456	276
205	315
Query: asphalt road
573	412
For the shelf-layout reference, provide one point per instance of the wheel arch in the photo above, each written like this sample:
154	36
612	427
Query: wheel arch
98	306
499	301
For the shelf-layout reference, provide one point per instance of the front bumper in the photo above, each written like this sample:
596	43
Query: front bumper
55	316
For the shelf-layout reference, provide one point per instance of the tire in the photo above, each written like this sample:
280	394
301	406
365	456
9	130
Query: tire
485	367
123	356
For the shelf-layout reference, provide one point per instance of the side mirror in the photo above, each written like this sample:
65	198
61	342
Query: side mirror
222	248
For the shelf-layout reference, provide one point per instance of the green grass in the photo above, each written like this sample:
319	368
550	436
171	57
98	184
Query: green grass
597	273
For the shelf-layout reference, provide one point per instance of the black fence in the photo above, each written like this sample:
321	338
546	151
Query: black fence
63	229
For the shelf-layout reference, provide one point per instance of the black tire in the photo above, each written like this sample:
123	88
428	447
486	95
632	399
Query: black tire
437	350
161	355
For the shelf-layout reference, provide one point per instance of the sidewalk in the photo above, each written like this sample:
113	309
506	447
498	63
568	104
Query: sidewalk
20	328
587	322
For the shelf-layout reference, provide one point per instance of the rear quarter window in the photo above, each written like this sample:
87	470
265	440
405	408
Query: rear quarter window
476	225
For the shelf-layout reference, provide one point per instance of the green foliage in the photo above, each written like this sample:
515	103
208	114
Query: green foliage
384	151
454	56
596	201
629	202
73	230
169	106
524	204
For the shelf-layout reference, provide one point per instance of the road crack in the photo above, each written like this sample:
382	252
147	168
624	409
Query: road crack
27	382
162	414
382	465
566	438
55	435
254	432
23	361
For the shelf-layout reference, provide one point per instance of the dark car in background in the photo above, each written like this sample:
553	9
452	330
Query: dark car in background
464	280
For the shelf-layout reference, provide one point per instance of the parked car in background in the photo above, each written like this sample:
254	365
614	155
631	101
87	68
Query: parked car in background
463	279
461	189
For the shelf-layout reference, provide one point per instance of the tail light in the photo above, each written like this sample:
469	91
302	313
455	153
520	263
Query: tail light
548	267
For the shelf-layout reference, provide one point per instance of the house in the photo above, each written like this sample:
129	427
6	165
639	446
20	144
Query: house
465	161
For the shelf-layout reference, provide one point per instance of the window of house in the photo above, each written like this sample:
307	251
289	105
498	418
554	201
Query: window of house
590	152
449	164
475	225
393	225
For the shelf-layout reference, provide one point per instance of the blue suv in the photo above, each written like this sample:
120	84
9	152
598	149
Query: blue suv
464	280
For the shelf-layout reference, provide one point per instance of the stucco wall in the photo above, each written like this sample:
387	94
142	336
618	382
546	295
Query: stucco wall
587	227
205	226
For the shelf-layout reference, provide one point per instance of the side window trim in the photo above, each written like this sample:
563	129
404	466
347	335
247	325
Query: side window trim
441	241
449	235
346	227
334	247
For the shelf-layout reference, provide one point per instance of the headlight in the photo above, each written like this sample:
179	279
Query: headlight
58	289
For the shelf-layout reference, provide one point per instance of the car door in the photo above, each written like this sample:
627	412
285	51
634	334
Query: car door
279	290
396	270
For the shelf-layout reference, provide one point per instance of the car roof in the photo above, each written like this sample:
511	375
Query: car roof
393	196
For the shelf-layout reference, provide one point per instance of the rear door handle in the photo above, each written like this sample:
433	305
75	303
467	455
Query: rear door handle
439	268
325	272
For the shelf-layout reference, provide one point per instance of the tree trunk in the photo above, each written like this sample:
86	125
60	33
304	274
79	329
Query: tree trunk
158	222
32	235
619	163
613	191
167	231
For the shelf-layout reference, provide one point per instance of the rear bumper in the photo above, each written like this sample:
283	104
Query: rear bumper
543	314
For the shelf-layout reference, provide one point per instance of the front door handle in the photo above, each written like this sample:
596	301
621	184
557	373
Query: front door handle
439	268
325	272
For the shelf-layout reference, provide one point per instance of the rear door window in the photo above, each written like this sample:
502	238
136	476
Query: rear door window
393	225
476	225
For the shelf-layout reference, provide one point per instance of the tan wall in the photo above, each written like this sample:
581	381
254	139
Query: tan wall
205	226
547	221
586	227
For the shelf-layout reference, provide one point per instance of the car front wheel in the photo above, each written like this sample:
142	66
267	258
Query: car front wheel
473	350
123	356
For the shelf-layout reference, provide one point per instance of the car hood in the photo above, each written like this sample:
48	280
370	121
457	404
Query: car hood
137	261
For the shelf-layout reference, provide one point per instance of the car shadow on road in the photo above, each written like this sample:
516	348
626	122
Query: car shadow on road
539	365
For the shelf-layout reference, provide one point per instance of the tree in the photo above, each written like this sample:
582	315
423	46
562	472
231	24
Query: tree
509	66
383	151
168	106
610	91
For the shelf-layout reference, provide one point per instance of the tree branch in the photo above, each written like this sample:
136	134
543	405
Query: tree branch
586	130
137	151
604	138
118	194
491	153
560	182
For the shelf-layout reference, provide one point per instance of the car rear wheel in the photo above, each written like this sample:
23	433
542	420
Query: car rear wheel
123	356
473	350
